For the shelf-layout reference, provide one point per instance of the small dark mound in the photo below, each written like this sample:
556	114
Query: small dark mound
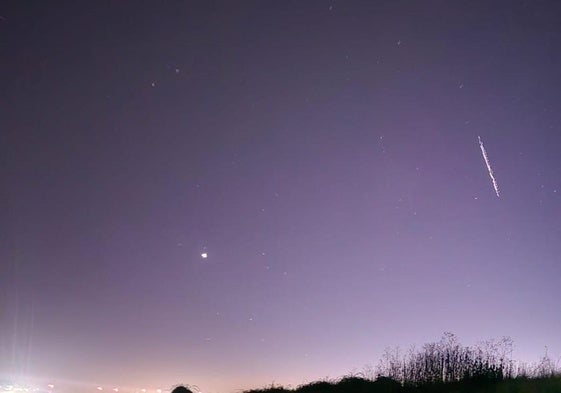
181	389
386	385
316	387
273	389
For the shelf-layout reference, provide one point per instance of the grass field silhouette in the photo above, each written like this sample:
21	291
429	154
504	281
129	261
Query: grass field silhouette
444	366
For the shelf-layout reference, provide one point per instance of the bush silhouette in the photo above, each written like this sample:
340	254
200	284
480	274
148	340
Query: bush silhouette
316	387
446	367
355	384
181	389
386	385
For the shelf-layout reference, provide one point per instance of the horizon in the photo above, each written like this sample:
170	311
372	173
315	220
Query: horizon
230	194
368	372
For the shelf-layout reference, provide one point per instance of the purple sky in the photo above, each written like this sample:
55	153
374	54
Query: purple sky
323	153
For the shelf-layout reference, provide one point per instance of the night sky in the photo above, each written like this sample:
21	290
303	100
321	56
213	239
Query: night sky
230	194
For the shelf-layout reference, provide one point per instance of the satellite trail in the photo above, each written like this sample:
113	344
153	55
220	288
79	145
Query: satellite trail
491	175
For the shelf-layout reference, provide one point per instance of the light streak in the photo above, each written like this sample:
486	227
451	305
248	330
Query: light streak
489	169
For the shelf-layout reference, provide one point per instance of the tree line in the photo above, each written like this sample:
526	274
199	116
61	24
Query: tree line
447	361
